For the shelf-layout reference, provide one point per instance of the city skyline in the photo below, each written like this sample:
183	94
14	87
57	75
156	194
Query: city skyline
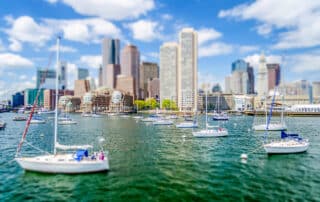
226	32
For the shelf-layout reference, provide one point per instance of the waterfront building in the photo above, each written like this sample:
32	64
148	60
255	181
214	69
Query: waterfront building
82	73
130	61
169	72
18	99
154	88
239	82
100	74
46	78
226	101
91	82
273	75
239	65
110	61
126	84
69	103
81	87
316	90
49	100
250	79
147	71
188	70
262	85
30	96
216	88
227	84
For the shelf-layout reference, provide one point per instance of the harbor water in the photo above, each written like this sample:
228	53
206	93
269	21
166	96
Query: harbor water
161	163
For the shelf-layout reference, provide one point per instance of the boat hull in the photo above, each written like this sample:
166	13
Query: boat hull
271	127
185	125
51	164
286	150
210	133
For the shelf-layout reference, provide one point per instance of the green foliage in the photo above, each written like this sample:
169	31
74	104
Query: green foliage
169	104
151	103
140	104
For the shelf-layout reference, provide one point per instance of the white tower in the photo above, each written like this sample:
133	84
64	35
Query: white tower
262	88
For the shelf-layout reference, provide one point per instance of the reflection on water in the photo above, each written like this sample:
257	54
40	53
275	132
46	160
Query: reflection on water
164	163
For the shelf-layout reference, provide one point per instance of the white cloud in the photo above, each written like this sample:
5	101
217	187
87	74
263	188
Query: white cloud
297	22
145	30
110	9
254	59
9	60
308	62
25	29
52	1
214	49
8	89
15	45
92	61
206	35
89	30
23	77
166	16
2	48
63	49
247	49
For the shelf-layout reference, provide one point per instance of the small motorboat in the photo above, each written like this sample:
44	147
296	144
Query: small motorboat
163	122
217	132
187	124
19	118
2	125
37	120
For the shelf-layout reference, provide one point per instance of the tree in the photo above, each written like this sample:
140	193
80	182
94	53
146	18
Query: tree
140	104
169	104
151	103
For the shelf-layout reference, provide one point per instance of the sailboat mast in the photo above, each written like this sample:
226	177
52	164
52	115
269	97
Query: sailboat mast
57	93
206	109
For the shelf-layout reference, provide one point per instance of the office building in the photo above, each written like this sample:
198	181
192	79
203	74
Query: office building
169	72
81	87
30	95
273	75
262	79
100	74
110	61
82	73
250	79
130	61
126	84
239	65
46	78
188	70
154	88
50	97
227	85
316	89
18	99
148	71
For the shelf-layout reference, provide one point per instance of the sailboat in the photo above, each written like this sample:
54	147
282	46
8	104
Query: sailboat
189	124
214	132
288	144
275	126
2	125
67	163
219	116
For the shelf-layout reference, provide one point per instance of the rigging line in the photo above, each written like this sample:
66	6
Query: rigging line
270	113
33	107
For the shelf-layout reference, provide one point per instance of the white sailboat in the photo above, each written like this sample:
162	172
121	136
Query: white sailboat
274	126
37	120
288	144
215	132
219	116
70	163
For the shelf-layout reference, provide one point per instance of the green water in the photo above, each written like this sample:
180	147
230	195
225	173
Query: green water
162	163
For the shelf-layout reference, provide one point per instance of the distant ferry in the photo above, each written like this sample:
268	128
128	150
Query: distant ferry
294	110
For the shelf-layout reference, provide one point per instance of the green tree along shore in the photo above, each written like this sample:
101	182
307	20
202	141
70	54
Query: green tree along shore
151	103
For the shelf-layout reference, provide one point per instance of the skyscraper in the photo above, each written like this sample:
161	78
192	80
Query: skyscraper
273	75
262	87
227	84
46	78
130	61
110	61
100	74
239	65
250	79
147	71
188	70
169	71
63	75
82	73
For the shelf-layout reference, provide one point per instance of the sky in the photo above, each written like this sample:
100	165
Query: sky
287	31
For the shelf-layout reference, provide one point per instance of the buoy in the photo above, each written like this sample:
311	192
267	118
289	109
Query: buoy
41	135
244	156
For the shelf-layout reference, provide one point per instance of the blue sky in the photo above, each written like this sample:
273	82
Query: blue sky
288	31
